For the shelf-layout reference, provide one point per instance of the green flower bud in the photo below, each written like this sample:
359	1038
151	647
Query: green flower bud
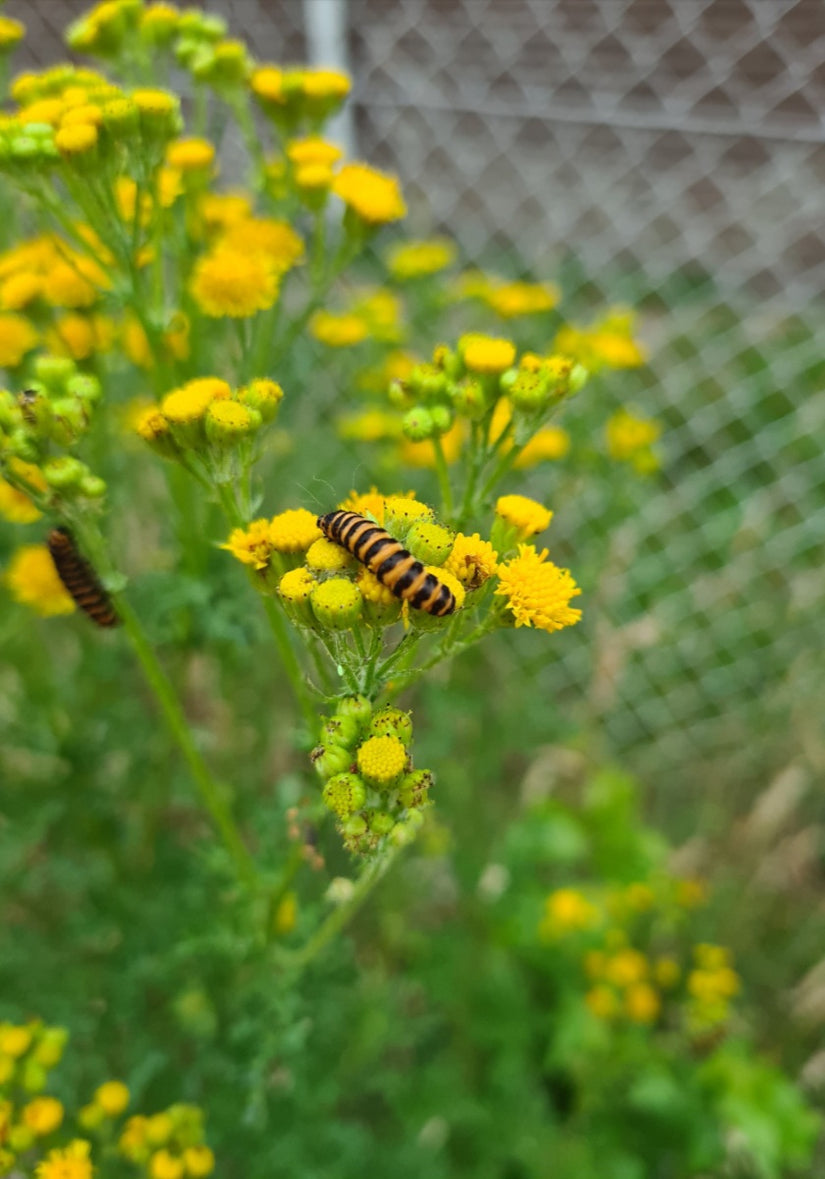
344	794
21	444
442	417
508	379
54	371
329	760
337	603
341	730
354	827
121	118
469	399
413	792
429	543
21	1138
49	1050
427	381
530	392
228	422
392	722
405	831
68	422
65	473
91	1117
418	424
380	822
34	1076
263	395
92	487
448	361
577	380
85	387
358	707
399	395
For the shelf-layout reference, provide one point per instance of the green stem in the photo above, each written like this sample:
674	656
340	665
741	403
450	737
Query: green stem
340	917
210	793
443	474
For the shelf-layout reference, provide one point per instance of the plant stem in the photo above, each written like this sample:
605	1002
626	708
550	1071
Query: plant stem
211	794
298	960
443	474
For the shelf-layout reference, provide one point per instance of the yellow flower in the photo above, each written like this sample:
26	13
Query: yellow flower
524	514
16	507
112	1097
275	241
219	210
199	1160
472	560
68	1162
252	545
267	82
603	1002
607	343
371	195
617	351
72	335
133	1138
14	1041
76	140
284	921
229	283
538	594
187	404
548	444
368	503
82	113
382	759
313	150
11	32
323	84
567	909
32	579
419	258
626	967
370	426
18	290
46	110
712	957
313	178
43	1115
159	1128
337	603
296	586
452	583
293	531
190	155
486	354
628	434
642	1003
373	590
338	329
73	284
512	299
164	1165
421	454
17	337
155	102
326	556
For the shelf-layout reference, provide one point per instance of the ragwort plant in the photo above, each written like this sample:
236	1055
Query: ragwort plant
142	300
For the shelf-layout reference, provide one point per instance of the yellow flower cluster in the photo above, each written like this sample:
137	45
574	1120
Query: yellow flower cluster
538	592
420	259
509	300
32	580
630	439
205	420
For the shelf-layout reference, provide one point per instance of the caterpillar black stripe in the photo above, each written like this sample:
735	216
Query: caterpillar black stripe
392	564
79	578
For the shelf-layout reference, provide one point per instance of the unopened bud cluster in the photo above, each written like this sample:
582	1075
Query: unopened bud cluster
40	423
370	785
210	426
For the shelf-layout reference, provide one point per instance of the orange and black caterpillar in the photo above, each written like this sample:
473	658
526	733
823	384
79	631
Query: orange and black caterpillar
79	578
387	558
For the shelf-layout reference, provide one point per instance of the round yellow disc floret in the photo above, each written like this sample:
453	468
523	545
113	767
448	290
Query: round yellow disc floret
452	583
230	283
17	337
190	155
398	509
43	1115
417	259
373	590
252	545
112	1097
296	586
32	579
313	150
186	405
472	560
370	194
337	603
327	556
382	759
486	354
293	531
155	102
525	514
553	442
338	329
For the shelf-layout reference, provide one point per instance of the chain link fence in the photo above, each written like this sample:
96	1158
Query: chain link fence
669	154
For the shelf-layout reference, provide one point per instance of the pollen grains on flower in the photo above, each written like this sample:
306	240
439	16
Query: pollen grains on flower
382	759
472	560
338	329
17	337
252	545
538	592
68	1162
229	282
549	444
524	514
293	531
417	259
486	354
32	580
371	195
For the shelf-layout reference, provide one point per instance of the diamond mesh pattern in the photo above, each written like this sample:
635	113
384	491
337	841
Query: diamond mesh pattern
670	153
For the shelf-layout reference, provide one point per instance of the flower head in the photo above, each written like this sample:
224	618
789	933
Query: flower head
191	155
338	329
548	444
68	1162
229	282
15	506
538	592
419	258
275	241
251	546
511	299
43	1115
382	760
486	354
313	150
371	195
293	531
472	560
112	1097
17	337
368	503
526	515
567	910
33	580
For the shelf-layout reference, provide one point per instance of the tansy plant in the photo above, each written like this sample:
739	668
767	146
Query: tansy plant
41	1139
136	267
